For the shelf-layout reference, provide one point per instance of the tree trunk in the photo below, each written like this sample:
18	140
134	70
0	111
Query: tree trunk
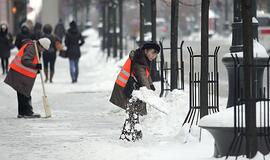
141	22
204	59
121	28
174	42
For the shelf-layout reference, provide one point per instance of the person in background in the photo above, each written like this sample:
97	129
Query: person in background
73	41
23	36
49	56
5	46
37	32
22	74
60	30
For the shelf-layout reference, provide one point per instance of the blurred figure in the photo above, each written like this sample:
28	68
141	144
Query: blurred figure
49	56
23	36
37	32
73	41
5	47
60	30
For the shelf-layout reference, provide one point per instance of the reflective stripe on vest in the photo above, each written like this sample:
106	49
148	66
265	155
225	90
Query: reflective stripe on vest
124	74
17	65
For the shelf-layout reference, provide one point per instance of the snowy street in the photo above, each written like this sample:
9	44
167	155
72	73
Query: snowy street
86	126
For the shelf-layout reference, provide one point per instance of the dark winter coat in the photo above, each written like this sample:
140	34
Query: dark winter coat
73	41
139	64
37	34
22	37
60	30
19	82
51	52
5	44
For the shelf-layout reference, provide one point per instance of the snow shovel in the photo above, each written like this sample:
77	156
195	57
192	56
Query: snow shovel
45	98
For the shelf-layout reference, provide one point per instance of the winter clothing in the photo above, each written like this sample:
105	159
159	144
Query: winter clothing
16	78
60	30
5	42
45	43
22	75
23	36
151	45
74	69
49	56
37	34
24	104
5	46
73	41
139	67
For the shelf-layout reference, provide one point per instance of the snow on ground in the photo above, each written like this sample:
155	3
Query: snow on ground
86	126
196	36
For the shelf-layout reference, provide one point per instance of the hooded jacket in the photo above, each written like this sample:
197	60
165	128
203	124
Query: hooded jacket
23	36
5	42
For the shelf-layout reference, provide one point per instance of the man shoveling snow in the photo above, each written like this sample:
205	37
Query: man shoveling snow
134	74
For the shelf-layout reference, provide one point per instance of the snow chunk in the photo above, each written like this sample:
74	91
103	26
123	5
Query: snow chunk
149	97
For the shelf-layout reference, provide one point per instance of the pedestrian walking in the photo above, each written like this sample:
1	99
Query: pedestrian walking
6	44
23	36
49	57
60	30
22	74
73	41
134	74
37	32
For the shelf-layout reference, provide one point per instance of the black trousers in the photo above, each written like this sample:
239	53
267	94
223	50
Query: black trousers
4	62
49	60
24	104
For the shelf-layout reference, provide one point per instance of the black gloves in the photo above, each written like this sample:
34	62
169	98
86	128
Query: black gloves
152	87
38	66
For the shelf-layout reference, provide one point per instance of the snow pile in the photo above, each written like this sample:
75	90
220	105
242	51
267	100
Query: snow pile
166	115
225	118
196	36
258	51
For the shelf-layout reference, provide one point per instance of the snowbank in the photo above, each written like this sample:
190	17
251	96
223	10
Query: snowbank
225	118
258	51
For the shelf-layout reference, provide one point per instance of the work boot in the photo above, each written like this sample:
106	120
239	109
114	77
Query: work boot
46	75
51	76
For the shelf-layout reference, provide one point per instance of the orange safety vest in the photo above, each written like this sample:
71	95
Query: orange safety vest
17	65
125	73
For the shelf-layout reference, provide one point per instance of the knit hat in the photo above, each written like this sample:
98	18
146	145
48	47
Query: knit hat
45	43
151	45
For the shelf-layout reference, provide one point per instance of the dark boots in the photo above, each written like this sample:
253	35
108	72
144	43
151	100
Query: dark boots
46	75
51	76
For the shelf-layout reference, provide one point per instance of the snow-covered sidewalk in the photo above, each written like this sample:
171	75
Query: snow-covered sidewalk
85	126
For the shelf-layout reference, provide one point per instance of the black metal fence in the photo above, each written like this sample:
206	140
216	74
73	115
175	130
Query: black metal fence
262	110
194	86
165	70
